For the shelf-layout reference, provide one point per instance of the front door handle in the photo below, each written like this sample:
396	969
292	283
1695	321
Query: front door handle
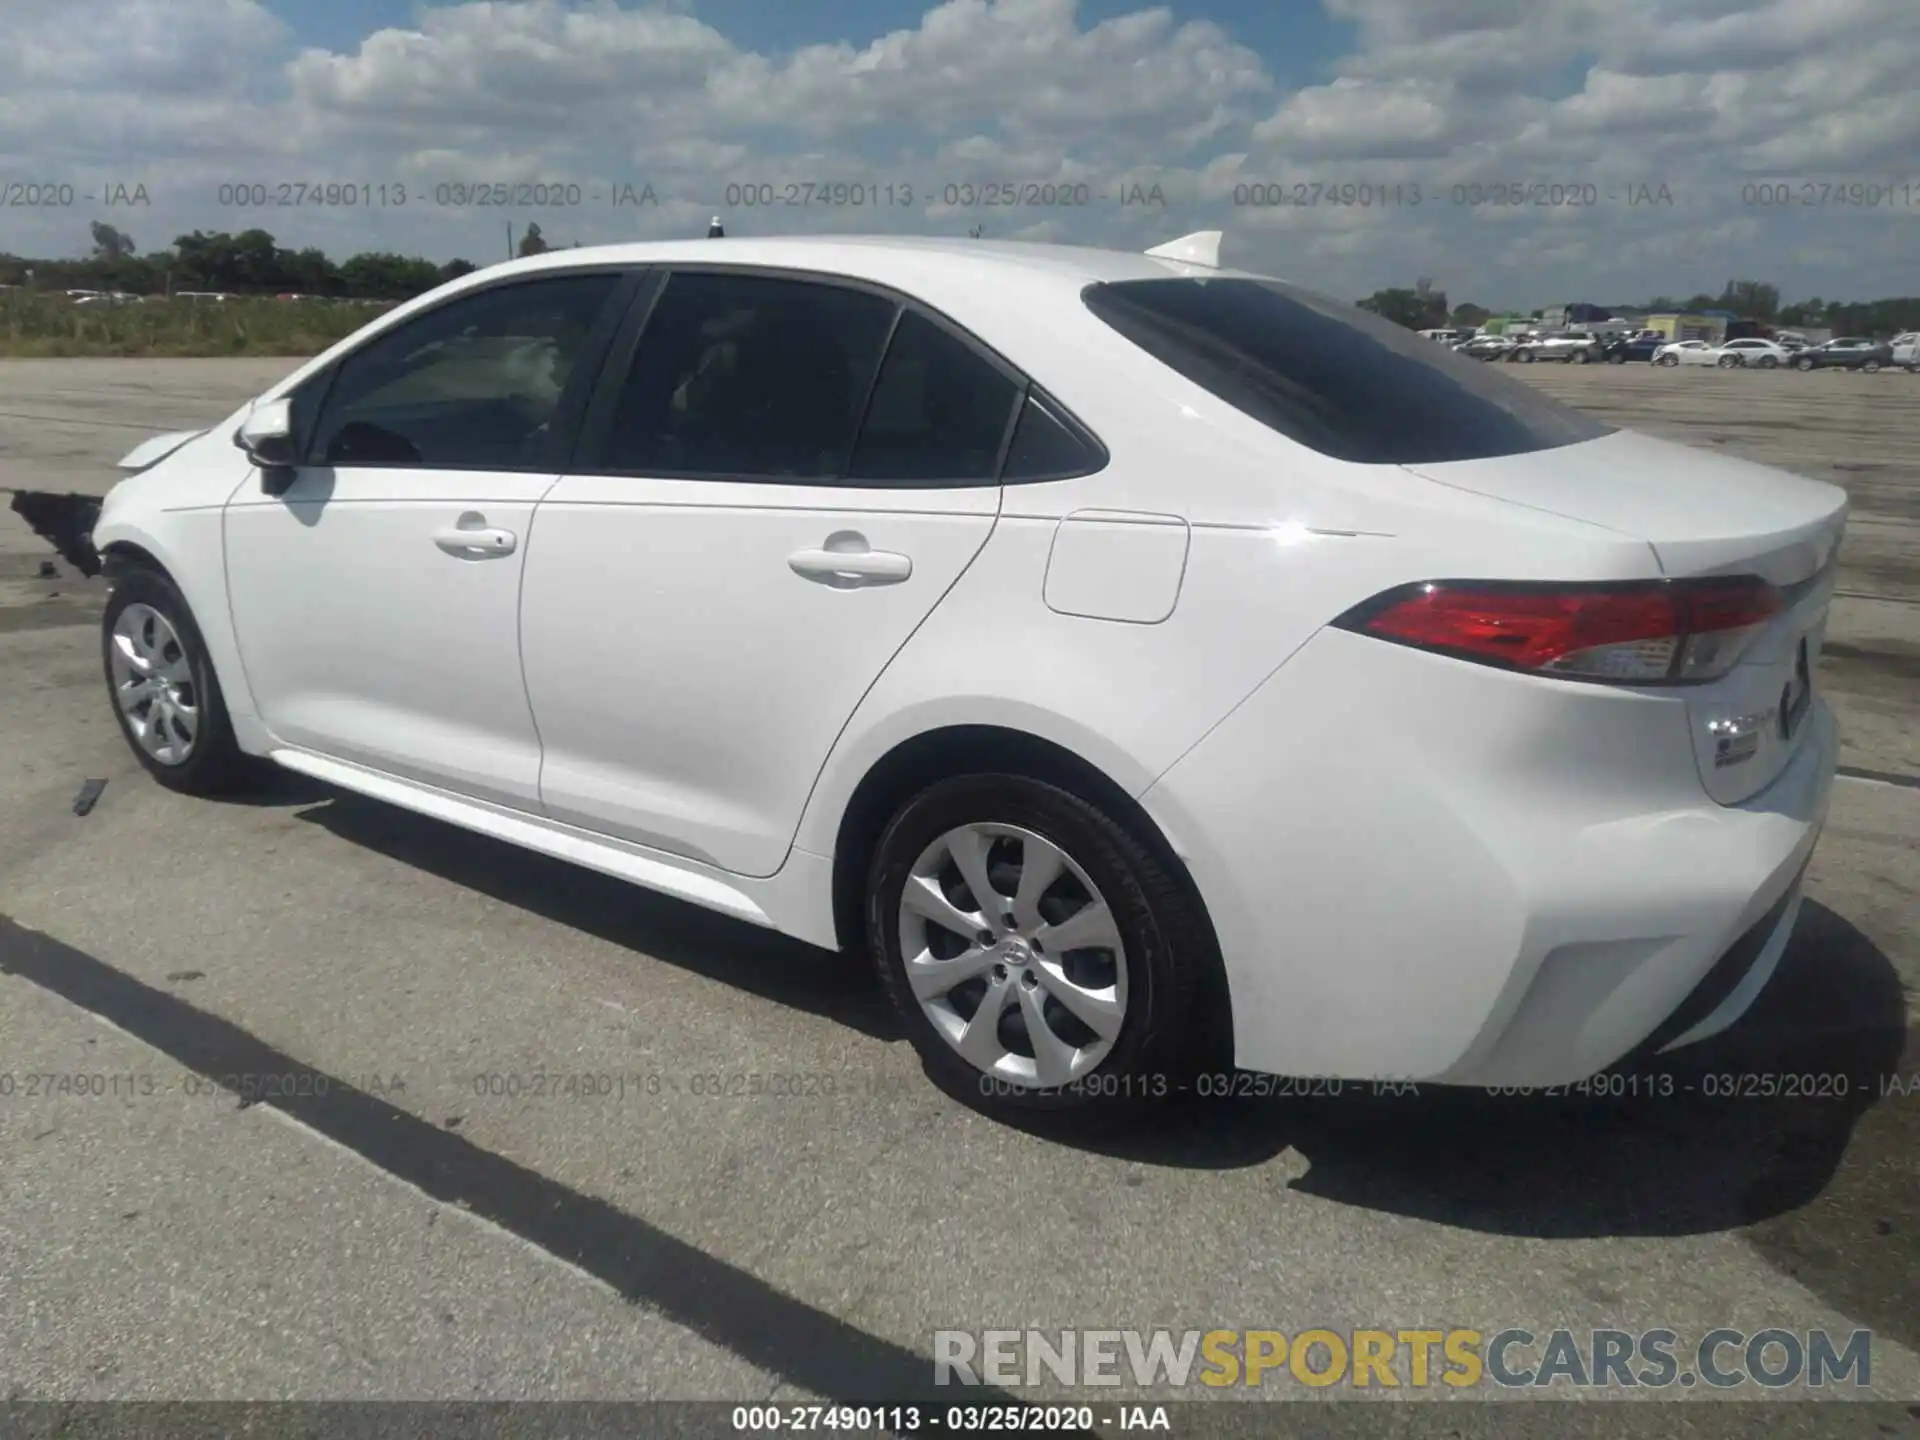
471	538
846	561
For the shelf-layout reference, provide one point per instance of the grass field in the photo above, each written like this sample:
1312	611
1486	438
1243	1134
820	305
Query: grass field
43	326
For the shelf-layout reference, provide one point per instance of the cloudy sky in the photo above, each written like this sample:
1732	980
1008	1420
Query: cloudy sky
1650	139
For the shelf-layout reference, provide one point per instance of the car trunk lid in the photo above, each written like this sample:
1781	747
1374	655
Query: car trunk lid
1703	513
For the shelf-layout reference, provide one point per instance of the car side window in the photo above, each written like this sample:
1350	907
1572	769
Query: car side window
939	412
748	376
303	403
1048	446
471	385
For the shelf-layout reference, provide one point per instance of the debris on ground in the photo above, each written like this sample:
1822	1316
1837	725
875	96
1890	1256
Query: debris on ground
65	522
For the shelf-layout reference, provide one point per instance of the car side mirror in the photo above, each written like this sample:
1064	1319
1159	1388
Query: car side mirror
267	437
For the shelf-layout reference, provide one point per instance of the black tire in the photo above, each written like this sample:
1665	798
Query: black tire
1729	362
1803	365
1767	362
1526	357
1872	367
1619	357
215	764
1582	357
1168	946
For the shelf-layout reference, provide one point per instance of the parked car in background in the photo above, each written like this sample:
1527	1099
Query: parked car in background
1687	352
1485	347
1845	352
1906	351
1761	354
1575	347
1640	347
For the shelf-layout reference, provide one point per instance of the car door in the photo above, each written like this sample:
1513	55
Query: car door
375	586
781	485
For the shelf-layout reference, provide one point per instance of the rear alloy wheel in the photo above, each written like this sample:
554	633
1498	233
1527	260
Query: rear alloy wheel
1767	362
165	695
1619	357
1039	956
1666	359
1803	364
1871	367
1729	362
1581	357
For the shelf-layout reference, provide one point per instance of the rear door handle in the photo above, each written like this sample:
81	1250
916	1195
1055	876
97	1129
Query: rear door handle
473	539
846	561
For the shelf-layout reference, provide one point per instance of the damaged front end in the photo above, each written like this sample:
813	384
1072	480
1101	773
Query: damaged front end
65	522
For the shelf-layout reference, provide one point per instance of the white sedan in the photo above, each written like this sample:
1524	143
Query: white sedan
1687	352
1152	666
1757	353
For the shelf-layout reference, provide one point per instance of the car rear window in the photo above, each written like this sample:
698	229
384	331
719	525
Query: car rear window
1336	378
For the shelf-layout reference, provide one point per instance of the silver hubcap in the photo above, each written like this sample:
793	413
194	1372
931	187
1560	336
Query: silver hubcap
1013	955
153	684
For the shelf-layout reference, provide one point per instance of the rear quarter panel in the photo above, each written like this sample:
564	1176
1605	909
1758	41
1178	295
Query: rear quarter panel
1280	542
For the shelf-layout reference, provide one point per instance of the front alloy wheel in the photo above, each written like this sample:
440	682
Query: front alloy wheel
166	697
153	684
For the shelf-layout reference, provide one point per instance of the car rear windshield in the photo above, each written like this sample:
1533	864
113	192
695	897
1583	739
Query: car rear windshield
1336	378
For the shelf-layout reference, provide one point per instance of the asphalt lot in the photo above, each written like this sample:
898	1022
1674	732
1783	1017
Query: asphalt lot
426	1239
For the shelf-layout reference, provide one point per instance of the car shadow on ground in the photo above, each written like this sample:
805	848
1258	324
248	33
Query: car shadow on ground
786	971
1800	1127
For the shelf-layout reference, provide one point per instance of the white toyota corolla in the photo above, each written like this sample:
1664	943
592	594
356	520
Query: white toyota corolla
1152	665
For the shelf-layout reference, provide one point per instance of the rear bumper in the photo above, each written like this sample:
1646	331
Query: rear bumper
1422	870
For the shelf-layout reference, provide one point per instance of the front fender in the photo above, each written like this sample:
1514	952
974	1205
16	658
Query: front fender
189	544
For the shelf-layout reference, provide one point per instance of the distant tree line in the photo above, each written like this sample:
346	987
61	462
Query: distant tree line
1424	308
249	263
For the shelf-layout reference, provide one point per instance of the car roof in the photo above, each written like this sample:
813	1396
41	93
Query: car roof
905	261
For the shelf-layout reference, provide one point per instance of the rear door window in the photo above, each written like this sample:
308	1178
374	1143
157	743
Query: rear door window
938	414
1333	377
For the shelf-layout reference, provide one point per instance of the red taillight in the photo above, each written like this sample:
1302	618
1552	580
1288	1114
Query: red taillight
1647	633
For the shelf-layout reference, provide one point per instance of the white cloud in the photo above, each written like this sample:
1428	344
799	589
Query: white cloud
1698	96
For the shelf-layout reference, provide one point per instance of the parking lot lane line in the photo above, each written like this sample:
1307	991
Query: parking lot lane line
724	1305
